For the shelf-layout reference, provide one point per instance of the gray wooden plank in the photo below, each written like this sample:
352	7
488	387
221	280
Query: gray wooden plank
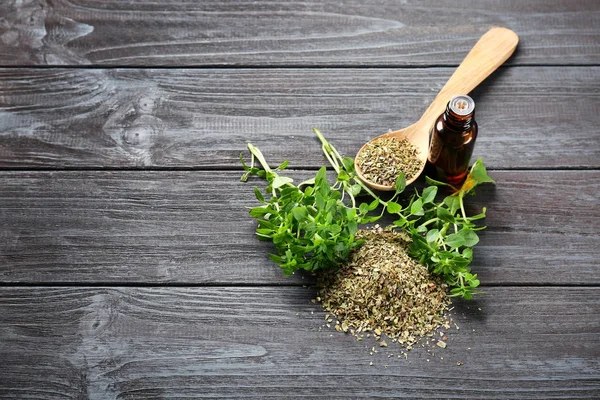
533	117
193	227
349	32
261	342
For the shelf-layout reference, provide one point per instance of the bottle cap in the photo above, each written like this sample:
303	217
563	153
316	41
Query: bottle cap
462	105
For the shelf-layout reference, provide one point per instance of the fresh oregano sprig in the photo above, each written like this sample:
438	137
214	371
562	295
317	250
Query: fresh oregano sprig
442	233
313	224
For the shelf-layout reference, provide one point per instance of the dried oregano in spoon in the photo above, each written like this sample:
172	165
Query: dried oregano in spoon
383	160
313	225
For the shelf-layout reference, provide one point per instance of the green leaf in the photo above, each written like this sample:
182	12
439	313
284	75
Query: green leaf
348	163
455	240
453	203
308	182
355	189
321	176
320	201
373	205
363	208
258	212
279	181
335	229
458	292
300	213
350	213
283	165
352	226
429	193
343	176
467	253
465	237
432	235
264	223
478	216
369	219
393	207
400	184
459	263
479	173
417	207
470	237
401	223
259	195
264	232
445	215
330	205
317	240
321	183
276	258
433	182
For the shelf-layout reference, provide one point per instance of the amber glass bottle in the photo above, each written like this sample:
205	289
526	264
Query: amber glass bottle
453	139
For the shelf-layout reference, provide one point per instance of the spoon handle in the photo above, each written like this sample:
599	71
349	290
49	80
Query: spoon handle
494	47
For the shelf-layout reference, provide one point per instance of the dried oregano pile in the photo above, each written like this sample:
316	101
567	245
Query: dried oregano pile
381	289
382	160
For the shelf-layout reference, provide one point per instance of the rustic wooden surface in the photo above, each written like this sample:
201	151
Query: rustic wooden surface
192	227
241	32
533	117
129	268
262	342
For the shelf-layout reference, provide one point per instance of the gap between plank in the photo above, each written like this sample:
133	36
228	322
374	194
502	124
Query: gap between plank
283	66
248	285
221	168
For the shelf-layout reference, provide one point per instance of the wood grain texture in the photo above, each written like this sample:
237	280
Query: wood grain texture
240	32
151	343
171	211
193	227
534	117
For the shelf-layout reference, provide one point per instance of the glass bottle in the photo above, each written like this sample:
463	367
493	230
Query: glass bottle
453	139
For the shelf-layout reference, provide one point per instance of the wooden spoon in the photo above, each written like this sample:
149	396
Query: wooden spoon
494	47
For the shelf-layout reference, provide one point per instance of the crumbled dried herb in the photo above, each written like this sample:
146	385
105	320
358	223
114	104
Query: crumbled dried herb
381	161
382	290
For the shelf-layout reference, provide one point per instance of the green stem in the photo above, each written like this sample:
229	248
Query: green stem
370	192
328	150
259	156
432	220
333	163
352	198
462	208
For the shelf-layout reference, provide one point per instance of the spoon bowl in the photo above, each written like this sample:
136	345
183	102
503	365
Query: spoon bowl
413	134
494	47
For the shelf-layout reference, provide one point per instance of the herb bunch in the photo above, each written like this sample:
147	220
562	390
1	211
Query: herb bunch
313	225
442	234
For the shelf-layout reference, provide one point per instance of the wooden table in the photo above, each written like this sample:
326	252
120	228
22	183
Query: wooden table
129	267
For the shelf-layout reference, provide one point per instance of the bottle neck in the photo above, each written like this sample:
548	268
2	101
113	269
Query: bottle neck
457	122
460	113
